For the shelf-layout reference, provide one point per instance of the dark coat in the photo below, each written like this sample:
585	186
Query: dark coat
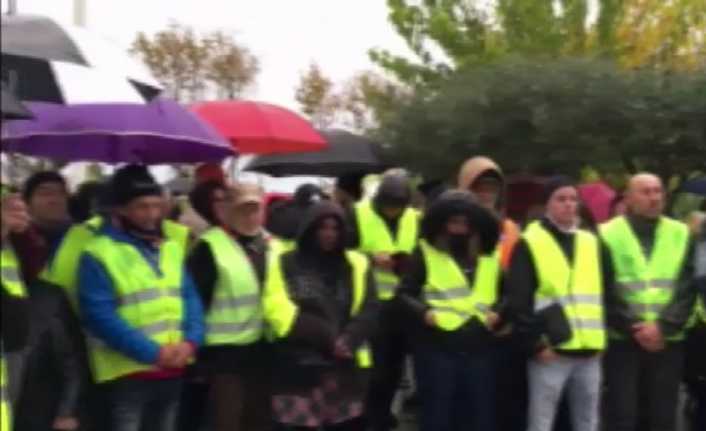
409	302
320	284
55	370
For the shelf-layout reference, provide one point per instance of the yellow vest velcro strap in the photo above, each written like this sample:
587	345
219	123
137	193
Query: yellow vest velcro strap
582	299
588	323
230	303
159	327
3	393
147	295
652	284
447	294
483	308
235	327
452	310
10	274
647	308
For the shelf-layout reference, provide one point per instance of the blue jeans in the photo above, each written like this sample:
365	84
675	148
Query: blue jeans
457	390
135	405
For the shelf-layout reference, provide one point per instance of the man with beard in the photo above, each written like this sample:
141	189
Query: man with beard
140	307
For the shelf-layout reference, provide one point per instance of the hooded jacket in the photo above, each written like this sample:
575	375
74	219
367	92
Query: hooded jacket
394	191
484	237
320	284
472	170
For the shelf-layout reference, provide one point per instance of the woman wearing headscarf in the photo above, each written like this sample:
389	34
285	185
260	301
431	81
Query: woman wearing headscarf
320	302
450	291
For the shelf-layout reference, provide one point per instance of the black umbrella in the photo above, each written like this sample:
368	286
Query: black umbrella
13	109
39	37
346	154
696	186
45	61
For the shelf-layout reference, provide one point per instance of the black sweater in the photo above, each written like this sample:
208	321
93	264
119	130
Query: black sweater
229	358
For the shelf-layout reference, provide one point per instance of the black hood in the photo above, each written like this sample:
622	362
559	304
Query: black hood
455	202
306	240
394	191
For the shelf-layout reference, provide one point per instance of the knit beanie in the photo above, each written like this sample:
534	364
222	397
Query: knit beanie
132	182
554	184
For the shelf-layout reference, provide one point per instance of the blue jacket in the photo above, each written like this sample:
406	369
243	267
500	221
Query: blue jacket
98	304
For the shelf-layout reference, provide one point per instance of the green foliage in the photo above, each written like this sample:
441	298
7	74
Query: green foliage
561	115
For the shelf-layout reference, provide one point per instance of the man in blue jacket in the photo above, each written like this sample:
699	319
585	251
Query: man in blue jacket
140	307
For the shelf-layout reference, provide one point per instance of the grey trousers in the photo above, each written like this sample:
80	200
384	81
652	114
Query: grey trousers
580	377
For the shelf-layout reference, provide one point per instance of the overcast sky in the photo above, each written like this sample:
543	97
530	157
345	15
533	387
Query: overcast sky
285	35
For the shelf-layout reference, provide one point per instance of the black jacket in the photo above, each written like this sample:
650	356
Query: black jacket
15	321
55	369
675	316
522	284
408	300
320	284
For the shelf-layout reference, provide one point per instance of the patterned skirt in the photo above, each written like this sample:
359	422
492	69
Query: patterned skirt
322	405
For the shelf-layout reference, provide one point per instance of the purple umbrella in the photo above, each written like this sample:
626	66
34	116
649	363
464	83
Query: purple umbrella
159	132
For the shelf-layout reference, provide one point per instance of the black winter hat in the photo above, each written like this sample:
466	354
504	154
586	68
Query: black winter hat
40	178
132	182
554	184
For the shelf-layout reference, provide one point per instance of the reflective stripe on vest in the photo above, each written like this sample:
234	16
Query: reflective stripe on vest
5	410
647	285
148	301
10	270
447	292
281	312
578	288
235	315
375	238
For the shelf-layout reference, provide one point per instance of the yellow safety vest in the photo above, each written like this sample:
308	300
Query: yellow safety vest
578	289
448	293
281	312
12	283
149	302
177	232
235	315
374	238
62	270
647	285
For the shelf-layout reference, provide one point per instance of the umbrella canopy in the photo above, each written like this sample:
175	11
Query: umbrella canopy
696	186
261	128
597	196
13	109
346	154
159	132
44	60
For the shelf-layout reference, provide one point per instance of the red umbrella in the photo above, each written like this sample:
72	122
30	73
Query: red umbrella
597	196
261	128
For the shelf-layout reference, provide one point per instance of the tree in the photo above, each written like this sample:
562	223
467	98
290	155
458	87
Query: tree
190	66
556	116
177	58
231	68
316	96
368	99
668	33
